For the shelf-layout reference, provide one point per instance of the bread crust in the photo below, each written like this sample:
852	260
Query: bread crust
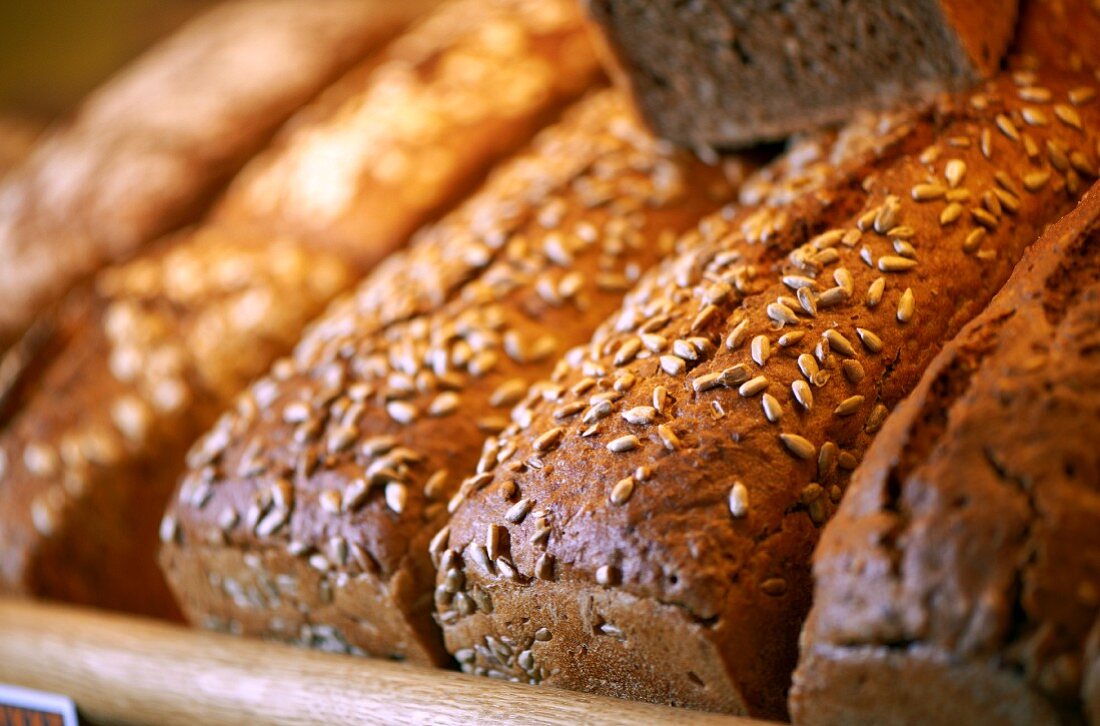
770	396
388	399
220	345
414	129
145	153
964	542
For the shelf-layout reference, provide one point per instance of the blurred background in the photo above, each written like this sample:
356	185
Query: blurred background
52	52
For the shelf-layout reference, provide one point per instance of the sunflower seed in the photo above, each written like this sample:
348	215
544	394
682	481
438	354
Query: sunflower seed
549	439
1067	115
839	343
624	443
641	414
875	290
753	386
974	239
871	341
802	394
739	500
737	336
668	437
954	172
622	490
906	306
951	213
849	406
927	192
773	411
798	446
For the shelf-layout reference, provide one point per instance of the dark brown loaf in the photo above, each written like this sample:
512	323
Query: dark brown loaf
74	375
964	561
339	475
146	151
688	514
410	132
721	74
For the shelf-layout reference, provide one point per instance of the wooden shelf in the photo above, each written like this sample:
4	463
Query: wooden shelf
121	669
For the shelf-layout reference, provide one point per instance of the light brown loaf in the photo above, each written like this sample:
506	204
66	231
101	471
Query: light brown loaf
963	561
64	378
338	466
144	153
670	557
410	132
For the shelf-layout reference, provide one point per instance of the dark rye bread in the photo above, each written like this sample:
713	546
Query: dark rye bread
964	561
42	519
132	372
411	131
734	72
144	153
325	489
670	557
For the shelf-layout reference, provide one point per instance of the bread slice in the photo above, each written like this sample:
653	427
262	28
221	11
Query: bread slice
736	72
307	511
217	323
962	559
664	552
144	154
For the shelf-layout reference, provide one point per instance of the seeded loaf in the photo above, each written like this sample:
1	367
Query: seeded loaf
145	152
43	516
132	372
963	561
409	133
730	73
324	493
666	556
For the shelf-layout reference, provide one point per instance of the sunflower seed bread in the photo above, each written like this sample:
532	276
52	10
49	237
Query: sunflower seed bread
131	373
666	553
731	73
359	171
964	558
330	478
147	151
67	364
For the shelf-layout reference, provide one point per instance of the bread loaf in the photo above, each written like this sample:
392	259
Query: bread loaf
409	133
63	379
334	482
145	152
963	561
666	556
721	74
133	371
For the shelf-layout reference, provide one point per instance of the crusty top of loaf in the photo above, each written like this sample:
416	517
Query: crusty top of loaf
171	335
971	525
401	135
764	359
345	452
144	152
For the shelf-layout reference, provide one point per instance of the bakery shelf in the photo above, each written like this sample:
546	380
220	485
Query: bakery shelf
121	669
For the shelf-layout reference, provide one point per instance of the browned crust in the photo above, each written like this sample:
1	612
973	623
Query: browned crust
147	151
675	540
413	130
969	529
528	267
129	374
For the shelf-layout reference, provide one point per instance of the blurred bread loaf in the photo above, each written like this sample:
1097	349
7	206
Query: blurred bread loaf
144	153
100	402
